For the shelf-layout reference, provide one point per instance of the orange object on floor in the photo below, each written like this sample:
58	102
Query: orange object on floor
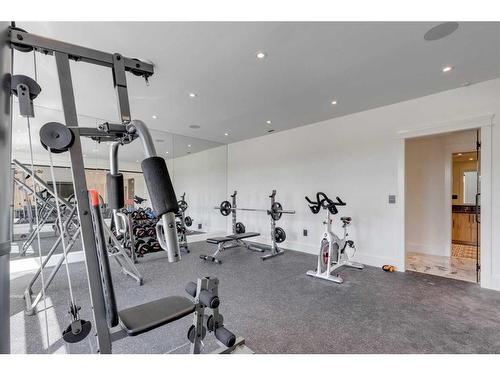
388	268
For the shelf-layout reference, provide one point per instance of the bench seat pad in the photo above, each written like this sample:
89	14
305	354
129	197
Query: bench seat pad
218	240
243	235
143	318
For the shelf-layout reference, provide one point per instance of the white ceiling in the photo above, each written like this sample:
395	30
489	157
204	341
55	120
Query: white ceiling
96	155
362	65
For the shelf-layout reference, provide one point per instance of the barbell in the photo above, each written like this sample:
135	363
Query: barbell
276	210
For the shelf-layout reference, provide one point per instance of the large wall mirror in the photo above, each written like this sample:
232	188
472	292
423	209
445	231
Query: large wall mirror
192	162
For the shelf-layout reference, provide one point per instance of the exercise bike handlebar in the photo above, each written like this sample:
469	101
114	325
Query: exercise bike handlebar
322	201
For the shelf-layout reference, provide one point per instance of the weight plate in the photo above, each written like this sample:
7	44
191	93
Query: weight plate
56	137
276	209
279	235
188	221
225	208
240	228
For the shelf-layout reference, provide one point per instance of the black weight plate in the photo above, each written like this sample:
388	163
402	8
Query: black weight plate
276	209
279	235
56	137
188	221
240	228
225	208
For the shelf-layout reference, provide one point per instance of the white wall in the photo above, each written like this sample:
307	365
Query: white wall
355	157
202	176
428	190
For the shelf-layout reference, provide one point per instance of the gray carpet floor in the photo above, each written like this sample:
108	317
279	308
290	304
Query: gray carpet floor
278	309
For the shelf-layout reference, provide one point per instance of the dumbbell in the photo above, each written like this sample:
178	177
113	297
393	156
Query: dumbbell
139	230
150	231
142	247
153	244
210	258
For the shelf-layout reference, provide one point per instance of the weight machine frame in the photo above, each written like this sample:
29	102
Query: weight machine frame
63	53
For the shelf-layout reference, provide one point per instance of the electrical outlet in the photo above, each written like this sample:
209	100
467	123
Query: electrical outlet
199	225
305	232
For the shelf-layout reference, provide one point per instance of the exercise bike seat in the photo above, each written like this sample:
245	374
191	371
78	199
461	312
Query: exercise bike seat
346	219
143	318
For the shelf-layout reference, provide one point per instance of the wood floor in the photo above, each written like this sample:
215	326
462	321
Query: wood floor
460	266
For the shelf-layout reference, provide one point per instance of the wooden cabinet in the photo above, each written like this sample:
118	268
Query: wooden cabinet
464	228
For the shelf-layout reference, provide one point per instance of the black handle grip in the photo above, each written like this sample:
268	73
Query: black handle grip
340	202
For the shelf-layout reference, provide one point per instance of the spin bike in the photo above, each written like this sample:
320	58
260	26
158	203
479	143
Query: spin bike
334	252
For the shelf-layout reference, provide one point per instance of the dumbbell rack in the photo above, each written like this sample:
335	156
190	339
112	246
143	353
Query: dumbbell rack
139	218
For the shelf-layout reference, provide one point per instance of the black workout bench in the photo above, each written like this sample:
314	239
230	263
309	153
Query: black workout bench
228	242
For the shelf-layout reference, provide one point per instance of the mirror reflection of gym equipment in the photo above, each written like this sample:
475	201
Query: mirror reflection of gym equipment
180	200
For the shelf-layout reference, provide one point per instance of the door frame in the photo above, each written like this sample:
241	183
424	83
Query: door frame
485	123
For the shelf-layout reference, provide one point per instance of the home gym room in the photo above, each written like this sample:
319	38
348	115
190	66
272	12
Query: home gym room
247	187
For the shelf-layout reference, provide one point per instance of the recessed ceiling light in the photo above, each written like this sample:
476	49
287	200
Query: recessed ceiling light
154	117
192	95
471	159
226	134
269	122
166	152
334	102
261	55
189	145
459	154
447	69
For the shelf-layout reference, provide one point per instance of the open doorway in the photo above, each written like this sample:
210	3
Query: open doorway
442	213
